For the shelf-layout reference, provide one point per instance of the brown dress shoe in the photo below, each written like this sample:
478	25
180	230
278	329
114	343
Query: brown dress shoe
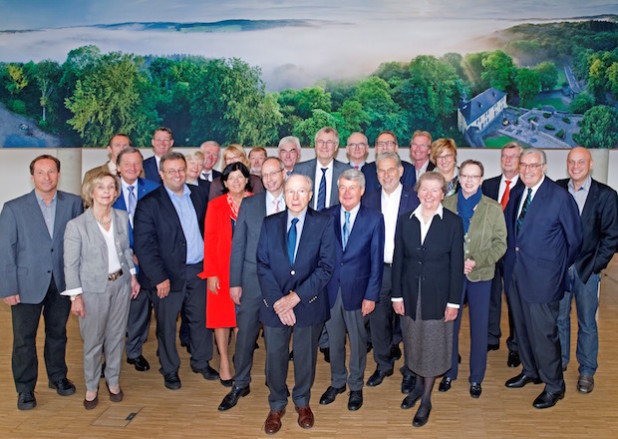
90	405
115	397
305	417
273	421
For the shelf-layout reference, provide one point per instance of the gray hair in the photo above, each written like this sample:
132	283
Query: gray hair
536	151
388	155
290	139
352	175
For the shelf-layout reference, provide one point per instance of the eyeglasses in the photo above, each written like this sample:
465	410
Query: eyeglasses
174	171
272	174
357	145
417	145
469	177
328	143
445	157
532	166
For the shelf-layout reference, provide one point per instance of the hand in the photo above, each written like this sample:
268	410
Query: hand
367	307
134	287
135	260
286	303
288	318
78	308
450	313
398	307
12	300
163	289
213	285
469	265
236	294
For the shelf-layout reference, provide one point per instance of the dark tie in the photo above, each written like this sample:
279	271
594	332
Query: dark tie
505	195
346	229
524	209
292	240
132	200
322	191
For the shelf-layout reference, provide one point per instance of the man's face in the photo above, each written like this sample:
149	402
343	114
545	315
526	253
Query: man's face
211	156
272	176
579	163
386	143
325	146
45	176
116	145
130	167
389	174
509	161
173	174
297	194
357	148
162	142
350	193
256	158
419	149
531	170
289	155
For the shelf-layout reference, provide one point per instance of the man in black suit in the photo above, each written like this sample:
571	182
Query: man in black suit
597	204
499	188
295	258
420	147
162	142
386	141
211	151
357	150
169	230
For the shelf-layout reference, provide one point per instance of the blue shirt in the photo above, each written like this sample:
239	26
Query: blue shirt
49	212
580	194
188	222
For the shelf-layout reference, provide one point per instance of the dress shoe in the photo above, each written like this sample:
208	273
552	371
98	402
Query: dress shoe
273	421
227	383
140	363
63	387
407	383
115	397
422	415
26	401
445	384
410	400
585	383
395	352
330	394
172	381
232	398
493	347
369	347
520	381
91	405
185	344
326	352
378	376
546	399
207	372
475	390
305	417
513	359
356	400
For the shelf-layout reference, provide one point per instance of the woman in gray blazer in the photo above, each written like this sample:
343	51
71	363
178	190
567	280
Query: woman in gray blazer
100	279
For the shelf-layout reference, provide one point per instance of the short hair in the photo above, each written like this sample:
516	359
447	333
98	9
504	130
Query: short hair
44	157
512	145
119	135
232	167
431	176
238	149
307	179
210	142
352	175
472	162
129	150
172	155
165	130
390	133
277	159
530	151
441	145
388	155
258	149
91	183
327	130
195	156
419	133
289	139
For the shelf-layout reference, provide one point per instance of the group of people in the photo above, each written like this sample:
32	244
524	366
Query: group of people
322	254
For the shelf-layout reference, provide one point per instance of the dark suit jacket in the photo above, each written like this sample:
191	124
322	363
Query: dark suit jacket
151	171
491	187
600	229
372	184
160	243
308	276
437	264
547	244
407	203
308	168
144	187
358	268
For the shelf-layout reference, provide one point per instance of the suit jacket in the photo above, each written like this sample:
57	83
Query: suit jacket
491	187
160	244
151	171
308	276
358	268
308	168
144	187
216	187
407	203
372	183
434	268
548	242
86	263
600	229
28	255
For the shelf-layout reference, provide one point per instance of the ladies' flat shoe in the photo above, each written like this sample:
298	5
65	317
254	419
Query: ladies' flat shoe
422	415
227	383
445	384
90	405
115	397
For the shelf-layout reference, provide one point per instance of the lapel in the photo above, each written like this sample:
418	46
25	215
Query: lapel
358	226
591	202
166	203
38	222
141	189
283	237
94	226
540	201
60	218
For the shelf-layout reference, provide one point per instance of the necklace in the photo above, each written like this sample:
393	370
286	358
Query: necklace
104	223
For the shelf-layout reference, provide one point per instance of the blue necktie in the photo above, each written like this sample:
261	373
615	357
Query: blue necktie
346	229
322	191
132	200
292	240
524	209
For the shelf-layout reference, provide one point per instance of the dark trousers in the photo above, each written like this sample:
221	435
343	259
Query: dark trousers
26	319
380	322
140	310
495	312
248	324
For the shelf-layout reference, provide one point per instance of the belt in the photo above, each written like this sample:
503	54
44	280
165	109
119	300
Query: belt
113	276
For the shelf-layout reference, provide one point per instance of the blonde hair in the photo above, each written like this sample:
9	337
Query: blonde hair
441	145
91	183
235	148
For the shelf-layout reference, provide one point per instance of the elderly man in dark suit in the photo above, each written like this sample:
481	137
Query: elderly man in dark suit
162	142
168	234
295	257
597	204
386	141
31	256
544	238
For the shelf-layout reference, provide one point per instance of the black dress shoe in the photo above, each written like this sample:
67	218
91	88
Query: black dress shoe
513	360
63	387
395	352
140	363
227	383
369	347
520	381
232	398
356	400
493	347
326	352
26	401
475	390
546	399
410	400
445	384
172	381
207	372
407	383
422	415
378	376
330	394
184	344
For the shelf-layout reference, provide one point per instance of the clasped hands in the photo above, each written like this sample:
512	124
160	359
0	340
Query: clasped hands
284	308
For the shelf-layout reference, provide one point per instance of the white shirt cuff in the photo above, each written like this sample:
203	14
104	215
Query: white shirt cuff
452	305
396	299
72	292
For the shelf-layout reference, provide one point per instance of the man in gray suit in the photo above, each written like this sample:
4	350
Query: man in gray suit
32	275
244	286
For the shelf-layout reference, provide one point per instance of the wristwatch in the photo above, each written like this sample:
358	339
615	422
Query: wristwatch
74	297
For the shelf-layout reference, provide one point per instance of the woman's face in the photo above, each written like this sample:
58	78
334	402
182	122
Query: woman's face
104	192
430	194
445	162
236	183
232	157
470	179
194	167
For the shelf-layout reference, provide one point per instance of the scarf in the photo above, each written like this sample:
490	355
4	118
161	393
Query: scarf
465	207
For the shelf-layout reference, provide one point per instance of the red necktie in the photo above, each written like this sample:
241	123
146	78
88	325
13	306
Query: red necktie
505	195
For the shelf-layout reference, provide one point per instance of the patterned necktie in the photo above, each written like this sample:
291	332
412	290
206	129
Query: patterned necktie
292	240
505	195
346	229
322	191
524	209
132	200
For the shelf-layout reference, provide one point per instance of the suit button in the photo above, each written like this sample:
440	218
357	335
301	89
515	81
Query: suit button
52	250
516	249
292	272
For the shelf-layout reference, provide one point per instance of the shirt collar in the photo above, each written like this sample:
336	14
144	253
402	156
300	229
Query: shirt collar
585	186
417	211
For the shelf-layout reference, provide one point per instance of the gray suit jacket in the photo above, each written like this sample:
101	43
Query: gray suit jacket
308	168
28	255
85	252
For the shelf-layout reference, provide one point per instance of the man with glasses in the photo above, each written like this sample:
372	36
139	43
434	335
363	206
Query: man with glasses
289	153
162	142
357	150
386	142
420	147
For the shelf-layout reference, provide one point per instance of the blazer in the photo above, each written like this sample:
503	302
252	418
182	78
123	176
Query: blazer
144	187
485	241
547	244
29	257
308	276
600	229
85	252
407	203
151	171
358	269
308	168
491	187
372	183
216	187
434	267
160	244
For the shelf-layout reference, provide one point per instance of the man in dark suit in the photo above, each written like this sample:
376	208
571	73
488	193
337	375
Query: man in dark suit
289	152
31	260
393	199
499	188
420	147
117	143
544	237
354	288
357	150
386	142
168	234
597	204
244	285
211	151
162	142
133	189
295	259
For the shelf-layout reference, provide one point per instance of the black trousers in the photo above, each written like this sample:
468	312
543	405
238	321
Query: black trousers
495	312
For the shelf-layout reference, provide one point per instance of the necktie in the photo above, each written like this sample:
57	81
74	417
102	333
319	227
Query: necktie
524	209
276	202
322	191
132	200
346	229
505	195
356	166
292	240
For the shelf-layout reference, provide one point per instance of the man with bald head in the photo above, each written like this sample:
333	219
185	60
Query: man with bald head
597	205
357	150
